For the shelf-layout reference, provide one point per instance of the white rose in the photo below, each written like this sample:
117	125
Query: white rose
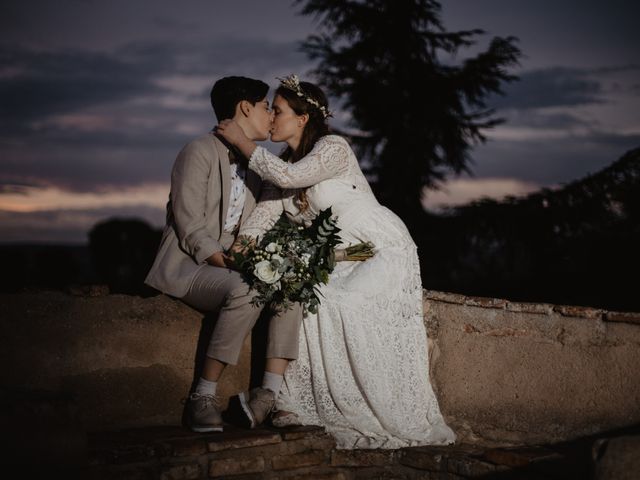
264	271
272	247
305	257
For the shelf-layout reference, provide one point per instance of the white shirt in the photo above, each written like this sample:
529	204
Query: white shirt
237	196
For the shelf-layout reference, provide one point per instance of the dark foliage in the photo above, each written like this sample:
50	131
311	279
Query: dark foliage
419	115
123	252
575	245
27	267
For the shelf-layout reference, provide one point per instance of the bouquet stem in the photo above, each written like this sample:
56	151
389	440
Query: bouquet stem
356	253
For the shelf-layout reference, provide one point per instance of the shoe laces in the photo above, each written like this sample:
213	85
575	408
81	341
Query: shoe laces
208	399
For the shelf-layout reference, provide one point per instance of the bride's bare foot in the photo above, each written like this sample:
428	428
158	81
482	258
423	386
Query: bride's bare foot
282	418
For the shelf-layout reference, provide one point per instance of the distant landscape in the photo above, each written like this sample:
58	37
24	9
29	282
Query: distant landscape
573	245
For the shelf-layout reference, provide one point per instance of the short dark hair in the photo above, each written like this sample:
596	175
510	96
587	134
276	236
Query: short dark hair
229	91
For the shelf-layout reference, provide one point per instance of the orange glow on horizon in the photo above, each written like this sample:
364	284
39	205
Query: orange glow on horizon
34	199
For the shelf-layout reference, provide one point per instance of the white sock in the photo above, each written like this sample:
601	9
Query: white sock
272	381
205	387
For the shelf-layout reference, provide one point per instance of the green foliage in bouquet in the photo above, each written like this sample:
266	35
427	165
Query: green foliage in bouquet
290	261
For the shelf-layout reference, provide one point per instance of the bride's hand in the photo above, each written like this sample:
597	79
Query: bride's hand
231	132
242	245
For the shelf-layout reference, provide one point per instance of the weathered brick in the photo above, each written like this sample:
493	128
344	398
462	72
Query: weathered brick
321	442
523	307
181	472
362	458
295	433
445	297
299	460
469	466
131	454
189	448
396	472
249	440
316	476
136	473
485	302
626	317
518	457
424	458
579	312
236	466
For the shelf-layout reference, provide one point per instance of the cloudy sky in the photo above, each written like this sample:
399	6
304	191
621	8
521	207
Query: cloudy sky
96	98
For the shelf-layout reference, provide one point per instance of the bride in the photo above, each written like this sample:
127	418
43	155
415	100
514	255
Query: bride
363	368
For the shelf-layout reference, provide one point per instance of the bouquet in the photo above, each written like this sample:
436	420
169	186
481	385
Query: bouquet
290	261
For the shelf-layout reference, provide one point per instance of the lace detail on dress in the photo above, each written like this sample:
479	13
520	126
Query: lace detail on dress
329	158
363	366
362	370
265	214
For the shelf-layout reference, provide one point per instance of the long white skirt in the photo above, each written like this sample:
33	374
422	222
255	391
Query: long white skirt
363	367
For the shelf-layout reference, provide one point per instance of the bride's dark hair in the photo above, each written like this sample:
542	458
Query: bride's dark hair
315	128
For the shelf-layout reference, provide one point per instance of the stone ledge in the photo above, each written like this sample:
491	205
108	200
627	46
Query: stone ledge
538	308
313	459
504	373
625	317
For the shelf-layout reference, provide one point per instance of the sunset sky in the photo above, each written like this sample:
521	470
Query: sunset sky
96	98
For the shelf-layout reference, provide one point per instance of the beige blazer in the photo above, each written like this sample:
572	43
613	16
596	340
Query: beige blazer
196	213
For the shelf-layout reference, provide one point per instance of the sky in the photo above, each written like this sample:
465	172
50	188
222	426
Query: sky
97	98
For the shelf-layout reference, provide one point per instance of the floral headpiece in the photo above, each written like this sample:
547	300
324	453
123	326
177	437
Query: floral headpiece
292	83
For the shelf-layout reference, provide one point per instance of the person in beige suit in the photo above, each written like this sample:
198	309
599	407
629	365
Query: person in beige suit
212	193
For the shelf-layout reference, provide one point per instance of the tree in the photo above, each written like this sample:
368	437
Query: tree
123	251
418	115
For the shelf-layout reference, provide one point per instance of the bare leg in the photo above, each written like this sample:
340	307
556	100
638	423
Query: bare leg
212	369
276	365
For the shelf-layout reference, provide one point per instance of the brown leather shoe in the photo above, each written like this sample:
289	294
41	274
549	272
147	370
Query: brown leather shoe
250	410
203	413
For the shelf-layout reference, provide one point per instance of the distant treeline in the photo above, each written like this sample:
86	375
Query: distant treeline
575	245
119	254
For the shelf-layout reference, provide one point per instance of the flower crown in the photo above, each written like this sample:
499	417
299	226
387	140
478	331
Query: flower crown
292	83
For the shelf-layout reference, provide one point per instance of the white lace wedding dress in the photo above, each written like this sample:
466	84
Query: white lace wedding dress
363	370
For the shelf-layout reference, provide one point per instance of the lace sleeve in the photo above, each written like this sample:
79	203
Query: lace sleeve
329	158
266	213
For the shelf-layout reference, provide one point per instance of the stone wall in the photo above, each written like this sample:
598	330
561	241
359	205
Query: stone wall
505	373
523	373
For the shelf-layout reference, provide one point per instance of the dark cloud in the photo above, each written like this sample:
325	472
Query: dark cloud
551	161
564	87
15	188
551	87
536	119
174	24
35	84
217	57
141	125
88	161
614	69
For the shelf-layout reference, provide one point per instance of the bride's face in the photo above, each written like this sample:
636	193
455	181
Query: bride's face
287	126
